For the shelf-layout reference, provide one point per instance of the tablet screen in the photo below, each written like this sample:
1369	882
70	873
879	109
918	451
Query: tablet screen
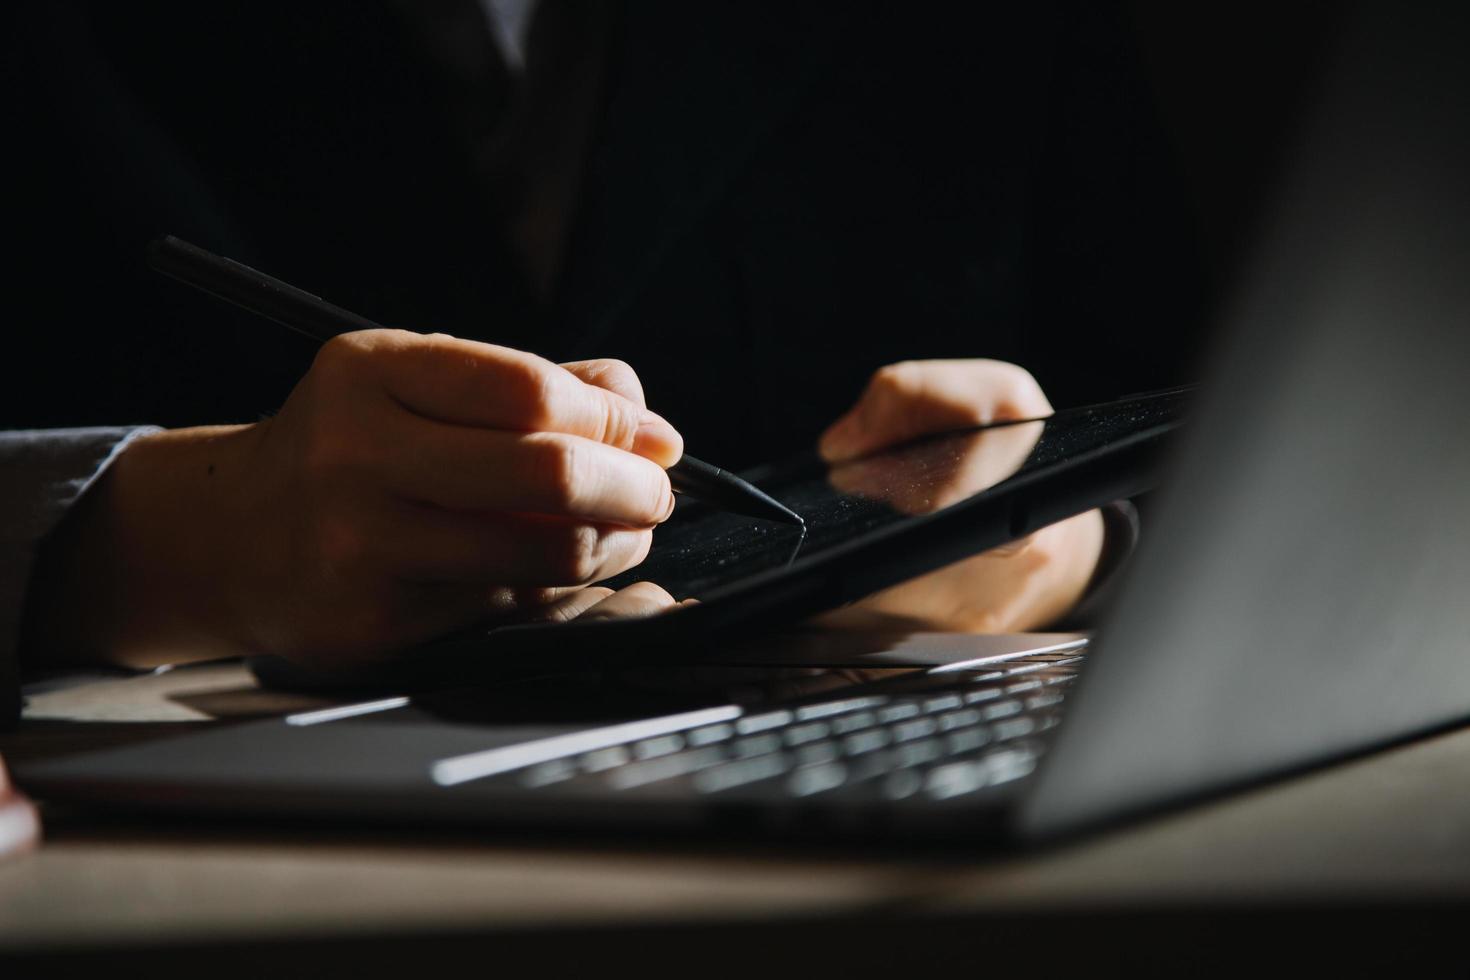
699	550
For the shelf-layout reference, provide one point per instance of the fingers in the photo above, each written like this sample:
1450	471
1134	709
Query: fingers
428	545
20	826
634	602
469	469
915	398
596	602
574	604
613	375
938	475
481	385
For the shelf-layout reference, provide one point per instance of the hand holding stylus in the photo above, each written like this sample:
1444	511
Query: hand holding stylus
410	485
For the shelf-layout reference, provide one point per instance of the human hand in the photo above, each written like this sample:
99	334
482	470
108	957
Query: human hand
410	485
928	475
20	826
636	601
1023	585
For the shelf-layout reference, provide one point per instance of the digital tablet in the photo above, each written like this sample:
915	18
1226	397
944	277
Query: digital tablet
871	523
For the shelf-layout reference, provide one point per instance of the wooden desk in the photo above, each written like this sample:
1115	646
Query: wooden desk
1369	861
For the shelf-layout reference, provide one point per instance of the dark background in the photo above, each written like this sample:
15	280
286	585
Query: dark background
778	199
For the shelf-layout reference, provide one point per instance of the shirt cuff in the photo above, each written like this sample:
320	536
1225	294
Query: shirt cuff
43	472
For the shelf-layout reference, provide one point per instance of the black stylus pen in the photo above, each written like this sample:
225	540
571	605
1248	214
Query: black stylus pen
321	321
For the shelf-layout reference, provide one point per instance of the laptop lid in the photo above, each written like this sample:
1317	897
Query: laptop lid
1302	593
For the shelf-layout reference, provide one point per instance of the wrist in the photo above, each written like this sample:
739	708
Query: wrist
144	569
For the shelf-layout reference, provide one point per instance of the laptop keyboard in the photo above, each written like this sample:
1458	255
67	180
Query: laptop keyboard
939	736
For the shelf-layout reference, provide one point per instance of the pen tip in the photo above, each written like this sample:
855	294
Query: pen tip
789	516
770	508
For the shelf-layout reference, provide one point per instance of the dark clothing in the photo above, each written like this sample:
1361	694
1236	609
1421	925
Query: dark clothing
773	200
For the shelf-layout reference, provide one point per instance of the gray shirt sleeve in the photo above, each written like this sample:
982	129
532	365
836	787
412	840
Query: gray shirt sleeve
42	473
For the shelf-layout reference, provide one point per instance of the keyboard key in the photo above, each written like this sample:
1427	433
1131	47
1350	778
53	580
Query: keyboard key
947	702
861	742
853	722
751	724
902	784
816	779
963	718
1013	728
740	773
1004	766
608	758
815	753
669	767
917	753
709	734
992	769
548	772
755	745
1001	709
966	740
810	732
870	766
906	731
1021	687
1039	701
954	779
652	748
898	712
982	694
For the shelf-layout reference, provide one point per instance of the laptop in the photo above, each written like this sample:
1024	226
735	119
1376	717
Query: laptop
1298	596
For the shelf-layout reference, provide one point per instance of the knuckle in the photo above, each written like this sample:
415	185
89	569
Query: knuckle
614	367
559	465
341	544
349	359
339	357
620	422
898	376
578	559
618	376
531	388
1018	391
